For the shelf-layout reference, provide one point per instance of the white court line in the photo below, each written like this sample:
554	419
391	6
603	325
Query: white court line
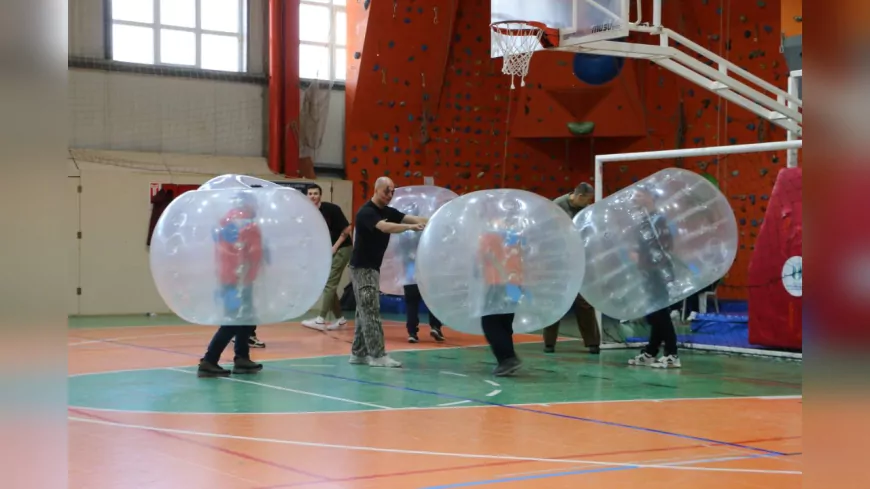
287	389
490	382
426	408
494	393
271	360
138	337
454	403
453	373
423	452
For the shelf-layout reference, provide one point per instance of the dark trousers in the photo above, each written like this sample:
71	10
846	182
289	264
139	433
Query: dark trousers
222	338
584	313
661	330
499	332
412	307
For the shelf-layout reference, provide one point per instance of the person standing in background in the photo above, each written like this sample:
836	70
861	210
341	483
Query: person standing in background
408	243
375	222
340	232
573	203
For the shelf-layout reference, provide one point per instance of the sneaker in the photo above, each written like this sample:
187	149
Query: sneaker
507	367
384	361
549	348
595	350
437	334
355	360
667	361
254	342
643	359
207	369
317	323
336	324
243	366
413	338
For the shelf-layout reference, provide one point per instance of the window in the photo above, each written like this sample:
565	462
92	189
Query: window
205	34
323	39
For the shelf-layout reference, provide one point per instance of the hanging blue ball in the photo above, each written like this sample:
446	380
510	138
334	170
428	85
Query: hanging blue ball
594	69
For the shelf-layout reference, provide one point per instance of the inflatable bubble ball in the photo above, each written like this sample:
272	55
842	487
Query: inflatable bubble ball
240	251
398	268
656	242
500	251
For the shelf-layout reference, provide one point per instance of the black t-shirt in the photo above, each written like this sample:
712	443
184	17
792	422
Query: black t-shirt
335	221
371	243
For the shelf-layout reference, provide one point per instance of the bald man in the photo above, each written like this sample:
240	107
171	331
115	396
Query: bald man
375	222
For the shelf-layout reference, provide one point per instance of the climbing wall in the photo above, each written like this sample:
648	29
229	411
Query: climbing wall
424	98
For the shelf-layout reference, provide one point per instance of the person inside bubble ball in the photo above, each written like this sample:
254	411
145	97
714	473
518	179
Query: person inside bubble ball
652	255
340	232
501	250
408	242
375	222
584	313
239	253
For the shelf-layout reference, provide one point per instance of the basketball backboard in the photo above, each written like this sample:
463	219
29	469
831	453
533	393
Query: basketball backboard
578	21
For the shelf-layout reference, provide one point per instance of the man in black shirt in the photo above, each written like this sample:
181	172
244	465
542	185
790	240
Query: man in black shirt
339	231
375	222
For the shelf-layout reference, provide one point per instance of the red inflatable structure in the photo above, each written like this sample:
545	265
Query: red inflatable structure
776	268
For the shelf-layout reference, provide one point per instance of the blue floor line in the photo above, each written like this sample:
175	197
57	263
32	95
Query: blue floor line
534	411
586	471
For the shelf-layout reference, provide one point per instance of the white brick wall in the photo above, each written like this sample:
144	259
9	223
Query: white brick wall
135	112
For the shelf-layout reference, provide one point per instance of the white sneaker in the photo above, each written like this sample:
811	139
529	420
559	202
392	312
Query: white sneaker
643	359
337	324
667	361
384	361
355	360
317	323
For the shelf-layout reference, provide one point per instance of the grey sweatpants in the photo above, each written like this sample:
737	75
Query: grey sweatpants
368	335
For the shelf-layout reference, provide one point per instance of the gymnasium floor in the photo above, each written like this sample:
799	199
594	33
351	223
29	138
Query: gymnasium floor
140	418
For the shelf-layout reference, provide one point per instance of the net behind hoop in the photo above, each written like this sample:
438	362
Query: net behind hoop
517	41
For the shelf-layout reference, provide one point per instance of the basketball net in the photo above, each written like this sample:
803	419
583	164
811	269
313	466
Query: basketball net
517	42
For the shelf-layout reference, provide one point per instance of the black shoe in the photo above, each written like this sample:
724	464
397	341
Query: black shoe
549	349
208	370
246	366
437	334
254	342
412	338
595	350
507	367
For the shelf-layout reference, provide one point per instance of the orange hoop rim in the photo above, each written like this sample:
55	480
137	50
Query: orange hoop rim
549	38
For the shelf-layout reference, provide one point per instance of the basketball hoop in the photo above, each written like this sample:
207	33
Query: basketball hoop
517	40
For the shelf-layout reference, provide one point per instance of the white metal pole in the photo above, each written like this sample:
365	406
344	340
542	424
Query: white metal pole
657	13
709	151
791	155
